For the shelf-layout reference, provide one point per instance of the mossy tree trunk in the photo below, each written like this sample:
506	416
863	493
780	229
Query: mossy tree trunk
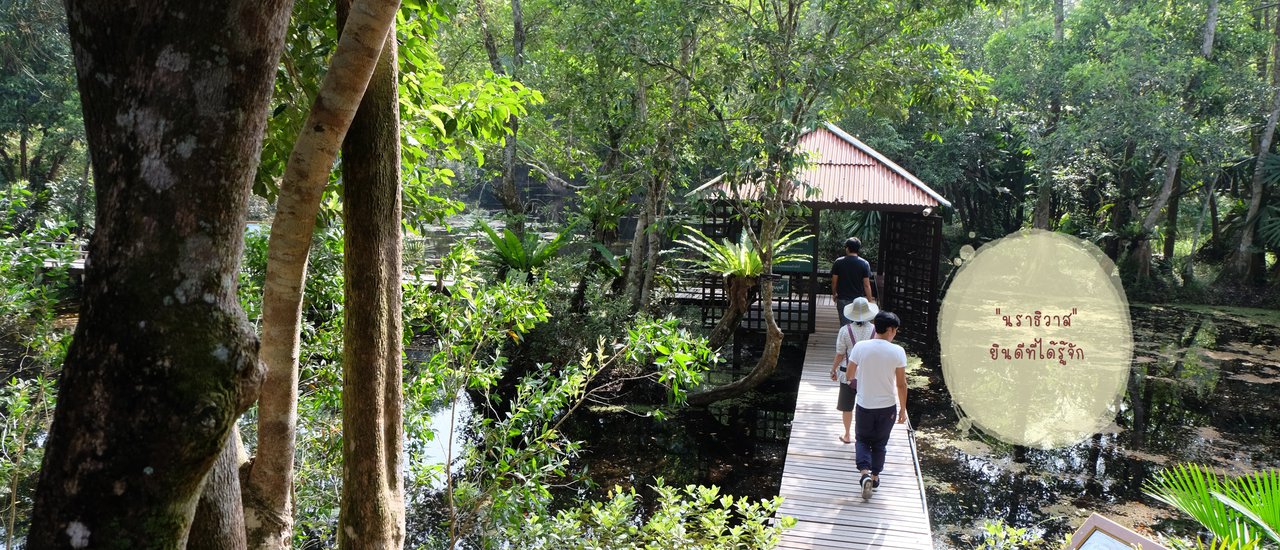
175	96
372	504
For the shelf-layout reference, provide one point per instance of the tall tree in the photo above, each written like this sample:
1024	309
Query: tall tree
40	123
162	362
1241	265
794	59
507	193
268	501
372	505
1042	216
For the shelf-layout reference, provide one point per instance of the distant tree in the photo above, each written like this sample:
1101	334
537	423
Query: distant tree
162	361
40	123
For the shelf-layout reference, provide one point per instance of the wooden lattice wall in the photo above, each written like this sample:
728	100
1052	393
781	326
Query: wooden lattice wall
794	286
910	246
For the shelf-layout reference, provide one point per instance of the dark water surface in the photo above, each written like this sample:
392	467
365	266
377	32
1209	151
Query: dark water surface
739	445
1204	387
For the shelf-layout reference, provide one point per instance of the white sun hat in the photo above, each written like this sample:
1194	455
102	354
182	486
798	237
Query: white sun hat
861	310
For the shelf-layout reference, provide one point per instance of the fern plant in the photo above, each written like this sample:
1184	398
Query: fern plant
522	253
740	259
740	265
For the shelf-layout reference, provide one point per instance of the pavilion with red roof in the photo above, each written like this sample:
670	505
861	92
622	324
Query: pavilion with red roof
846	174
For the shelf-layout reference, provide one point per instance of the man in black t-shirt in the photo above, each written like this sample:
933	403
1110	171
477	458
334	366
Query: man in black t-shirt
850	278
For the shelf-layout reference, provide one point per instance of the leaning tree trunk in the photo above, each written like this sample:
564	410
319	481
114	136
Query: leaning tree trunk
175	96
737	289
372	506
268	504
768	361
764	366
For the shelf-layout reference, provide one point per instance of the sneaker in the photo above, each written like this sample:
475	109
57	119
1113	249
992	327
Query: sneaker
875	483
866	487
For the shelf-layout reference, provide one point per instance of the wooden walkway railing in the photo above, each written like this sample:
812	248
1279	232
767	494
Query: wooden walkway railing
820	480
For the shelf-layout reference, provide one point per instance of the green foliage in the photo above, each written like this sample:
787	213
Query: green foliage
692	517
998	535
41	132
27	406
1269	227
37	345
740	259
679	358
1239	511
441	118
523	253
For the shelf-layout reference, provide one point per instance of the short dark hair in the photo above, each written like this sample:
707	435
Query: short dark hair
853	245
886	320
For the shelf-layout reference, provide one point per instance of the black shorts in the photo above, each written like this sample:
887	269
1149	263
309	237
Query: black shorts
847	395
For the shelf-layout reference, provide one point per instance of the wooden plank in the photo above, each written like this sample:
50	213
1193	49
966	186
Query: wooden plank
819	480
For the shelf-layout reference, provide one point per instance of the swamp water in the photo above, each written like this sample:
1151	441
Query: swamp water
1204	387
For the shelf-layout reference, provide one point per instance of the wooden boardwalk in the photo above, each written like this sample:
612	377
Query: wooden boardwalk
820	480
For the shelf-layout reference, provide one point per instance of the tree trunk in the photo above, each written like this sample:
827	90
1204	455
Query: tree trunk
768	361
1119	213
1188	268
268	506
372	512
635	262
175	96
654	246
737	289
219	521
1171	218
1240	264
1210	30
1140	256
1042	216
508	194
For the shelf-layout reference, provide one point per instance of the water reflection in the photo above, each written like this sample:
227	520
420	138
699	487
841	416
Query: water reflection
739	445
1203	387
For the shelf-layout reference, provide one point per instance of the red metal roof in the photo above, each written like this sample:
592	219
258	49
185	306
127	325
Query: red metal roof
845	173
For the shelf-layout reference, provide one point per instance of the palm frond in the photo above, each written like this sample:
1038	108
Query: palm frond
1190	488
1269	226
1256	497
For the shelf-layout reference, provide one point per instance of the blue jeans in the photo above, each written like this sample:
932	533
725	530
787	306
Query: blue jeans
871	428
840	303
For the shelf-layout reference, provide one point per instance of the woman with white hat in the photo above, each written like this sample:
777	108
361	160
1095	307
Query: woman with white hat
860	312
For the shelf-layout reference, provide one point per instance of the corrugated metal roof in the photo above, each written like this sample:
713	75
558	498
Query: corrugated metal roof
844	172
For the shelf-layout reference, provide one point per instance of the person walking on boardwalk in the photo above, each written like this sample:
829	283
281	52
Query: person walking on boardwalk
850	278
880	368
860	312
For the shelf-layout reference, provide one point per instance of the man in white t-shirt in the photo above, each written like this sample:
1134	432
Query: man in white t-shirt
880	367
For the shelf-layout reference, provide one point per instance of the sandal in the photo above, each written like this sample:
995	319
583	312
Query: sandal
844	440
